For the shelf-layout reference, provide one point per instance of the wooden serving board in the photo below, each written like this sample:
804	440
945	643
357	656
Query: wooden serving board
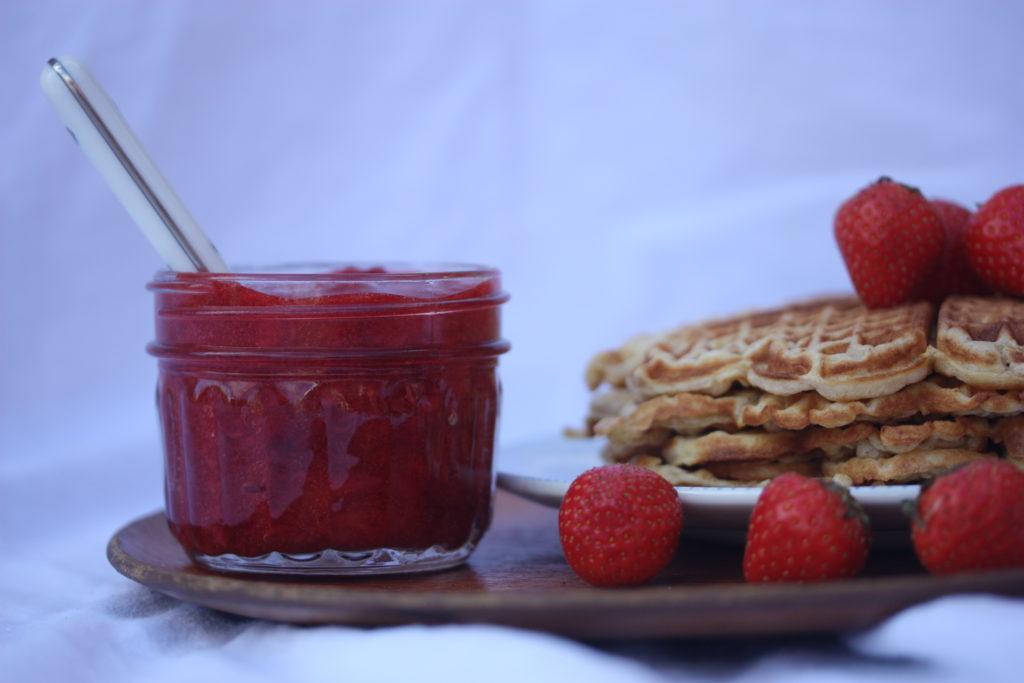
518	577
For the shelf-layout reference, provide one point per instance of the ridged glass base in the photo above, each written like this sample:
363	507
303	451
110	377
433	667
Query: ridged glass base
341	563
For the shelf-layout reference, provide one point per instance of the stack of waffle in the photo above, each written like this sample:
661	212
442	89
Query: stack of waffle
826	388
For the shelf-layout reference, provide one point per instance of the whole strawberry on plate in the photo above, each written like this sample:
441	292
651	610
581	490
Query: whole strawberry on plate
995	241
891	239
804	529
619	525
971	519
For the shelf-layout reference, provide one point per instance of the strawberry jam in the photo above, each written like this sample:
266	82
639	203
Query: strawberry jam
339	422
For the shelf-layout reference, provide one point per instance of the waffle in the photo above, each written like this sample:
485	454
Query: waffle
691	414
725	474
614	366
981	341
898	469
608	404
825	388
860	454
860	440
1010	433
836	347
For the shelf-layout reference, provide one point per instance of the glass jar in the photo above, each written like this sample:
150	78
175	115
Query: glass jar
336	422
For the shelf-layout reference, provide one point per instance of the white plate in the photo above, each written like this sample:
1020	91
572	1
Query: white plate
542	470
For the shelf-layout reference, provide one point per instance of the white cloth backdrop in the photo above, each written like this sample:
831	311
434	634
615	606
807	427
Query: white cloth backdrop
627	165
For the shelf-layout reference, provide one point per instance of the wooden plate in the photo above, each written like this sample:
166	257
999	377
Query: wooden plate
518	577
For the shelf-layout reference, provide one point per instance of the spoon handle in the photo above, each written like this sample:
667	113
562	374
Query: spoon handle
95	123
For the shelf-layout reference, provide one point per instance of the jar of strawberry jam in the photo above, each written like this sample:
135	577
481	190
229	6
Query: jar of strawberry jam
332	422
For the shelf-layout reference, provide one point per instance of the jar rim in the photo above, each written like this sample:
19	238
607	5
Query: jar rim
336	272
307	291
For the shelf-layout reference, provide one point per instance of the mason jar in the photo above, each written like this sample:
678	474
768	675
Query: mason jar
335	420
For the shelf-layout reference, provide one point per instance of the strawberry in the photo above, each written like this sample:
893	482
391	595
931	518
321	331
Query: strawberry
953	274
803	529
891	239
619	525
995	240
971	519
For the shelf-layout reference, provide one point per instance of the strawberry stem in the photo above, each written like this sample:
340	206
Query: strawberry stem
887	179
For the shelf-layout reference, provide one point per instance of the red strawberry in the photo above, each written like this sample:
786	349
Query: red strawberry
971	519
995	240
891	239
619	524
953	274
803	529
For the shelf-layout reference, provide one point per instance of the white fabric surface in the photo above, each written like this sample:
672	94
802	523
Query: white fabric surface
627	165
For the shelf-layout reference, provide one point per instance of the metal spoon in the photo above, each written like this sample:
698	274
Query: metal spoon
104	136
